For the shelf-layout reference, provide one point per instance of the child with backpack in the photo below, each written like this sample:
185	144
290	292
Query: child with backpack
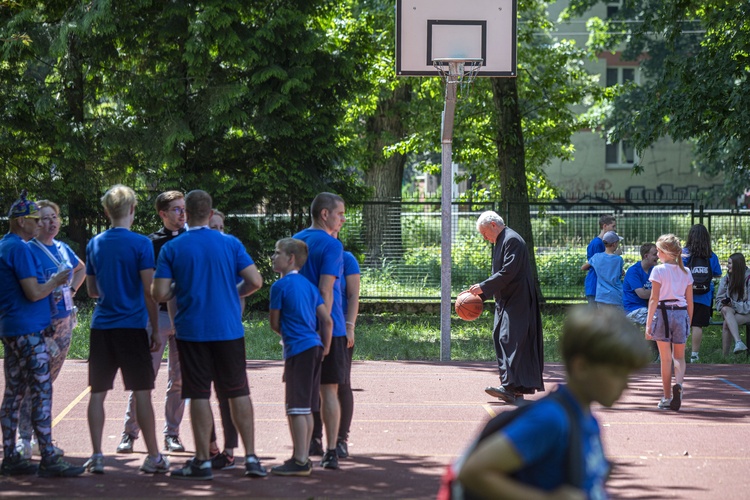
704	266
553	445
733	302
672	295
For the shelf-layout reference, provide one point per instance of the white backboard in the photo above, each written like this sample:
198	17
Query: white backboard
430	29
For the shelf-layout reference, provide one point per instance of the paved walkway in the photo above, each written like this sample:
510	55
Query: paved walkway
412	418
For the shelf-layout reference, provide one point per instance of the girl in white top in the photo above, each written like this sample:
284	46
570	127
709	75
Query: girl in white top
670	310
733	302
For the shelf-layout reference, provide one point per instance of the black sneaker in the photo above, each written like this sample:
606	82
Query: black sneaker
676	397
57	467
173	444
330	460
222	461
17	466
254	468
502	394
316	448
193	471
126	444
293	468
342	449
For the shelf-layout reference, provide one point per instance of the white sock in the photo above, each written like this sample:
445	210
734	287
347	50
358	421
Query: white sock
694	355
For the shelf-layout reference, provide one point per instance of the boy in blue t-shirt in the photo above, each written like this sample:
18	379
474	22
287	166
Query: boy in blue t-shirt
527	457
608	266
296	311
607	223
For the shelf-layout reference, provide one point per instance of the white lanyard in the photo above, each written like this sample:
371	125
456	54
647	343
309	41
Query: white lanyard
54	259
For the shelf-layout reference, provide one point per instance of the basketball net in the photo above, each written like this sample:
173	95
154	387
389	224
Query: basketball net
459	72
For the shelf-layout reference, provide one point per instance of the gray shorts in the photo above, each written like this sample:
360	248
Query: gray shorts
679	326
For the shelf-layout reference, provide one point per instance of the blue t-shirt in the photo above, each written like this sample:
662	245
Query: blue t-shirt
351	266
705	298
608	277
596	246
635	277
326	256
19	315
64	255
541	438
297	300
116	258
205	264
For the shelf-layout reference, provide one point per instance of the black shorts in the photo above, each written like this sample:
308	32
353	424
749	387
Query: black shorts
126	349
221	362
701	315
302	378
348	358
334	365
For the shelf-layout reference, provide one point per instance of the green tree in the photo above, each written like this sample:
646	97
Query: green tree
695	59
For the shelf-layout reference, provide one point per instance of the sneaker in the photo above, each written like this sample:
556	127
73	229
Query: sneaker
739	346
95	464
153	466
17	466
676	401
694	358
23	448
330	460
126	444
193	471
57	467
293	468
664	404
253	467
35	449
316	448
172	443
501	393
342	449
222	461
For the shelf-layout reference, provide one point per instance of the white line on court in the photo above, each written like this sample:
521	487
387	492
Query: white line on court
735	385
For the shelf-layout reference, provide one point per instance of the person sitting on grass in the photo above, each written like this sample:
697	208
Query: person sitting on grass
608	266
295	307
733	302
527	457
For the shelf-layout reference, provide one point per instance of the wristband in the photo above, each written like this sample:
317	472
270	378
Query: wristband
350	323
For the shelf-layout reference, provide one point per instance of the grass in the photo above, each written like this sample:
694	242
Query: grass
409	337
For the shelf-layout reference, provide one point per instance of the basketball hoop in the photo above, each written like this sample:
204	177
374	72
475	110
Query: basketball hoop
458	71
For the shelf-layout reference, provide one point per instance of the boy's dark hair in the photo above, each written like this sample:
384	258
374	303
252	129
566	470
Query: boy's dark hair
606	220
198	204
603	336
164	199
699	242
324	201
295	247
646	248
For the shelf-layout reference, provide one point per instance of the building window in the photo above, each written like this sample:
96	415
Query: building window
620	154
612	8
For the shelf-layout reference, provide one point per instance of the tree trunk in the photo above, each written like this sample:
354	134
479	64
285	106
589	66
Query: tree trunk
382	222
511	162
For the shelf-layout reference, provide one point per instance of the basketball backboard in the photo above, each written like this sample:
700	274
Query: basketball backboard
433	29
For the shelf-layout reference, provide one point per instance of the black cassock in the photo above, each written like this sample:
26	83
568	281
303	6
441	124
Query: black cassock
518	323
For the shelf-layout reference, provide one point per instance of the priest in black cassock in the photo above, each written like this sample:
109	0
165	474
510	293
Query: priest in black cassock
517	332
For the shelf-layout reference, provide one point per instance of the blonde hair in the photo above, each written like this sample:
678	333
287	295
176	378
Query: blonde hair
292	246
48	204
118	200
603	336
670	245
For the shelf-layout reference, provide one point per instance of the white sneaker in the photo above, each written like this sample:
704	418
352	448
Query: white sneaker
35	449
739	346
694	358
664	403
23	448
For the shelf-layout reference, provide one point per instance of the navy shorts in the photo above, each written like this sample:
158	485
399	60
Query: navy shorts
221	362
126	349
334	365
302	379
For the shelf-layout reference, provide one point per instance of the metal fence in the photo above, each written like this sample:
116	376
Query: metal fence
404	262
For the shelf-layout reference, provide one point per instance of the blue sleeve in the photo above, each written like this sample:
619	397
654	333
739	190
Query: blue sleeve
90	268
243	258
632	279
333	262
276	296
146	260
596	246
542	432
163	267
715	266
24	264
351	266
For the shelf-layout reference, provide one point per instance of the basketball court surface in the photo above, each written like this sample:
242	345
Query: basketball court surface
411	419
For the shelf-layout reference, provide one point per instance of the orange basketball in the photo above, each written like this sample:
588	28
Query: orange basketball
468	306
